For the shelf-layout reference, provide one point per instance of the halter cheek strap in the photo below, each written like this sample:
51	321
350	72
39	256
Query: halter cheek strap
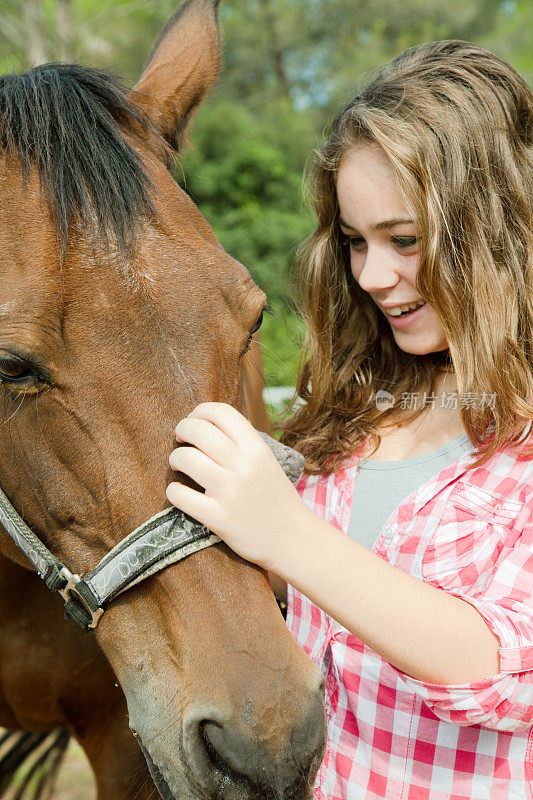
164	539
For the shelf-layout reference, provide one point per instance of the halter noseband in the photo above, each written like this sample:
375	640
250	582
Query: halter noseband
165	538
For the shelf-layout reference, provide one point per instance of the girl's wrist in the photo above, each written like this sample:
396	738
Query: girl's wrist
298	546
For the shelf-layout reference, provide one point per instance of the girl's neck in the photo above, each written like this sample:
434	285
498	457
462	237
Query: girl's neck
439	424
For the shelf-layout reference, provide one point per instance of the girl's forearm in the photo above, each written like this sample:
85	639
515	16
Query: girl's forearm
423	631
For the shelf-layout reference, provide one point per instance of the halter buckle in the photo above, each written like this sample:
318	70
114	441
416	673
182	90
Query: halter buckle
70	590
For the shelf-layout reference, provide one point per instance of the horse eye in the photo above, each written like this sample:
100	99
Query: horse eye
257	325
13	370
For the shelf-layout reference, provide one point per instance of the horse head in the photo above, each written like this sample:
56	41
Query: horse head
119	312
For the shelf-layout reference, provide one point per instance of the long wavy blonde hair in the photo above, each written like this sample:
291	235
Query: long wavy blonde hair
456	122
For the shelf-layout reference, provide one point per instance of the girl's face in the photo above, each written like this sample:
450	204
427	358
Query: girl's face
384	247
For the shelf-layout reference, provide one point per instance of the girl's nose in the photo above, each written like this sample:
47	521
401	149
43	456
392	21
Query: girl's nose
378	270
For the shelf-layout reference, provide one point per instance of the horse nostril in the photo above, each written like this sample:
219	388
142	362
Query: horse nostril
237	763
213	736
203	738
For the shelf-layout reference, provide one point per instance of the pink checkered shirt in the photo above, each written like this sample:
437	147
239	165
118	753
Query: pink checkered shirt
390	736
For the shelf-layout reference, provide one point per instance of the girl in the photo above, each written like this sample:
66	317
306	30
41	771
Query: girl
407	544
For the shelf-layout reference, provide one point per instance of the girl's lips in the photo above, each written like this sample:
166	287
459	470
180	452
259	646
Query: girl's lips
407	319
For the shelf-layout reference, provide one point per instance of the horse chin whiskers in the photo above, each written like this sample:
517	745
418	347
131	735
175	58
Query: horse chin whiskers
187	790
161	784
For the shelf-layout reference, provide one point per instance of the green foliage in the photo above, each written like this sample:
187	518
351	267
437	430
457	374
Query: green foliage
289	65
511	36
246	178
282	338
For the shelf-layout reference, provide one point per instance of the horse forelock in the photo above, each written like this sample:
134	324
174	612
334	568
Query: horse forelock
70	122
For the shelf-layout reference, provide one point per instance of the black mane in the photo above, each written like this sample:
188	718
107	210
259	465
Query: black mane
69	121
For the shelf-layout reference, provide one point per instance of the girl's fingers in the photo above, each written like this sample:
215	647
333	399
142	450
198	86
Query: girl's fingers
206	437
196	504
229	421
198	466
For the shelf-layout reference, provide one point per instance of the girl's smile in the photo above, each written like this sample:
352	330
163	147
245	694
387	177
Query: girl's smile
405	317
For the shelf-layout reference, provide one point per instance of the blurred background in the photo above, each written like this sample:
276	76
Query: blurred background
289	65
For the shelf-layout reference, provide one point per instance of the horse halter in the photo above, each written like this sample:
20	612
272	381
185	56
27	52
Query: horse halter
164	539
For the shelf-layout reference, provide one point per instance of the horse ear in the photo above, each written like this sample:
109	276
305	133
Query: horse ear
180	70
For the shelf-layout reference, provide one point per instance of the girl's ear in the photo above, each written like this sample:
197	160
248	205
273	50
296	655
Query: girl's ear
180	70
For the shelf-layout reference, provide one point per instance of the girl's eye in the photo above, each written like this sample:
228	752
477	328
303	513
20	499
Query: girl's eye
405	241
354	242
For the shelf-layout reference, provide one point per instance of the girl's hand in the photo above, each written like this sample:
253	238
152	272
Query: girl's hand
249	501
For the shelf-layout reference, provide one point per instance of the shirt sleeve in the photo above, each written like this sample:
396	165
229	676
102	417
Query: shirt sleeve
503	702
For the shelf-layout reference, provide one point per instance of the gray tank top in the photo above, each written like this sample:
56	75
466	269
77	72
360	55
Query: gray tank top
381	486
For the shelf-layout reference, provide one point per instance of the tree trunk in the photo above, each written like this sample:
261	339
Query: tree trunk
35	40
276	52
65	30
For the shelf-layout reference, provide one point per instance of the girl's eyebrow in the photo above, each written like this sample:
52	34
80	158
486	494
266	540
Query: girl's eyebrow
388	223
344	224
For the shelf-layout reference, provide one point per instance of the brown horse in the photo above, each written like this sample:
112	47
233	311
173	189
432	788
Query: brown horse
119	312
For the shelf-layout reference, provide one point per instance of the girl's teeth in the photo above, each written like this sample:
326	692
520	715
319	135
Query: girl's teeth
397	310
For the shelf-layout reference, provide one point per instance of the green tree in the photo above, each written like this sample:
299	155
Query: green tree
289	65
